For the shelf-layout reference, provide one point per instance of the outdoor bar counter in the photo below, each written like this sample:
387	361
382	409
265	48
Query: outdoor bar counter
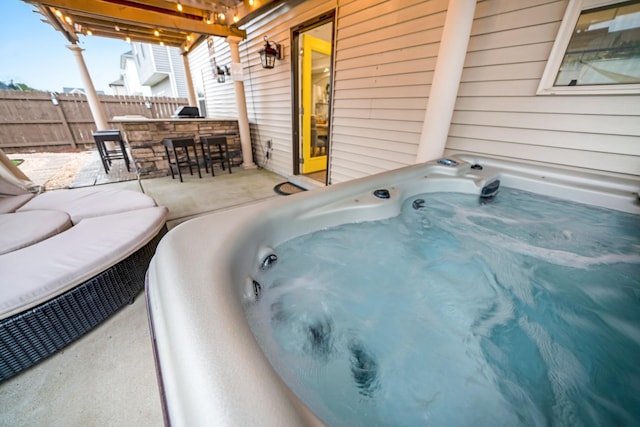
144	137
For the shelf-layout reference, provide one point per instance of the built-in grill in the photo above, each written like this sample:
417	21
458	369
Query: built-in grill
187	112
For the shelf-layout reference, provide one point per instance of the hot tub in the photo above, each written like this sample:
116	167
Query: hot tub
211	369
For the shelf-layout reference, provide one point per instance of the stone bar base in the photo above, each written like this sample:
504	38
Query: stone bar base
145	140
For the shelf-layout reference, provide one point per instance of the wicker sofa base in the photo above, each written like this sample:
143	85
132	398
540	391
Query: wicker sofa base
31	336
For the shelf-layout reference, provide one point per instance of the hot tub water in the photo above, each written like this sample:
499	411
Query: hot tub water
525	310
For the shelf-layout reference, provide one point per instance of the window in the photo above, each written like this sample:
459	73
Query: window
597	50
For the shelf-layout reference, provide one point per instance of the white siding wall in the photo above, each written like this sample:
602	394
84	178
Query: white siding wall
269	96
498	113
385	56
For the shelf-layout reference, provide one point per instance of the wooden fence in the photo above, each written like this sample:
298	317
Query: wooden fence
33	121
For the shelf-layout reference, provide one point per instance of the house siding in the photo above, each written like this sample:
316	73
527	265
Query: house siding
385	56
498	113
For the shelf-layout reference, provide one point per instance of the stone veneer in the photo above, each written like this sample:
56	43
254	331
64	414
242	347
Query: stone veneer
144	138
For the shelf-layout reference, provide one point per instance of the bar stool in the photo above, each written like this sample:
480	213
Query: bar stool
181	144
101	137
222	155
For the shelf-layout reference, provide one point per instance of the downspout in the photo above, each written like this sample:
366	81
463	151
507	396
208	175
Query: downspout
446	79
243	116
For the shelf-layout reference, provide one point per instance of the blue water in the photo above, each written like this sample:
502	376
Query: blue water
522	311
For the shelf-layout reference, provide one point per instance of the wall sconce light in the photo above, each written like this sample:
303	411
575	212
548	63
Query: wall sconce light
54	99
270	53
222	72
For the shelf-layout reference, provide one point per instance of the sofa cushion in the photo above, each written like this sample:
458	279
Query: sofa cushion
90	202
11	203
40	272
22	229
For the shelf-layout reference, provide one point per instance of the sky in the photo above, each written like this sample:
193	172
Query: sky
33	53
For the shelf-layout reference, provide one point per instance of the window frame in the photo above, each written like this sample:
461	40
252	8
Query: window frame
569	21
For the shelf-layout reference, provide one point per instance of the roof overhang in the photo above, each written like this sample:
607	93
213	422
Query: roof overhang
178	23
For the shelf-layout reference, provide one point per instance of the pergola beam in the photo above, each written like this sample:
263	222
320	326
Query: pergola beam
127	15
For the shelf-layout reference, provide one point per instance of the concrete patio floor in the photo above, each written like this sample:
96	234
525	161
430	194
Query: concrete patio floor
107	378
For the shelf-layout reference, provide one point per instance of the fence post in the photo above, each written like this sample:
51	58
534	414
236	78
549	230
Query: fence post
65	123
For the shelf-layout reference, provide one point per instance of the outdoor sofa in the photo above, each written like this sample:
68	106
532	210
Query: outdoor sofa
68	260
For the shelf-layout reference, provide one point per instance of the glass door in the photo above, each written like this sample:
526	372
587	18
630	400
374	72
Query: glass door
316	63
312	44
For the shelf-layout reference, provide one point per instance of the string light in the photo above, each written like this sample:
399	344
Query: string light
156	33
58	13
161	43
179	7
188	37
89	32
235	18
117	28
68	19
221	16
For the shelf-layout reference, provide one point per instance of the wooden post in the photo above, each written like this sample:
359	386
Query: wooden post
65	122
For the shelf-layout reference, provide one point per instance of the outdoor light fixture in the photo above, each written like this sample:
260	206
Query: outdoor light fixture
54	99
270	53
221	72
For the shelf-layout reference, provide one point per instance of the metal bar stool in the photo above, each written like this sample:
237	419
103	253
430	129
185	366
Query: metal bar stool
101	137
222	155
181	144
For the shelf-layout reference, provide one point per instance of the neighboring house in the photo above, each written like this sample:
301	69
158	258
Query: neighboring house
384	57
161	68
118	87
129	82
79	90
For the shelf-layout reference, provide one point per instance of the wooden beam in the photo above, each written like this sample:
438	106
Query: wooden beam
133	15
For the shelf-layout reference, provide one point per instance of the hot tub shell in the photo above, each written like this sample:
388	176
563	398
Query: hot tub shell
210	367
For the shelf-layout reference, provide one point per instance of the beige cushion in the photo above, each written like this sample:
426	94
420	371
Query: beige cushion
89	202
8	188
11	203
21	229
40	272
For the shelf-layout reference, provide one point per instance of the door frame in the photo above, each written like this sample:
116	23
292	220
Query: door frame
325	18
